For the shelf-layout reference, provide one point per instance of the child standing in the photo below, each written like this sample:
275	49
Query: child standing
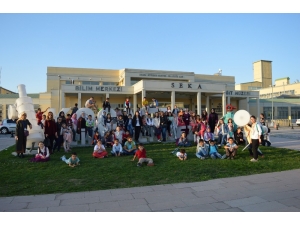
72	161
141	155
99	150
208	135
90	126
67	136
181	154
116	149
231	149
202	150
119	134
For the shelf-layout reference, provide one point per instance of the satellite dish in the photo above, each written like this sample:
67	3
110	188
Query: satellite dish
241	117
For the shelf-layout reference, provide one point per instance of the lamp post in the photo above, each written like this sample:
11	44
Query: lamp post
272	107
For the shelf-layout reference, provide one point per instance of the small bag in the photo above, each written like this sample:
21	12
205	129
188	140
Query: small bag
47	142
26	133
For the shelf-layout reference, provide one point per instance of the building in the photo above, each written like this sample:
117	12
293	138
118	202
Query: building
279	100
67	86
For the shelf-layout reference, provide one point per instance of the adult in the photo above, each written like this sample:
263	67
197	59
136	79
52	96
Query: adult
163	119
137	124
175	110
127	105
50	130
262	119
81	124
186	119
145	104
154	103
255	137
90	103
63	117
39	116
59	137
74	120
21	134
74	109
212	120
106	104
204	115
156	126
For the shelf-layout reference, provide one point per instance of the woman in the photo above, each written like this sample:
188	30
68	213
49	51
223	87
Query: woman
108	122
186	119
63	117
127	105
21	134
74	120
255	135
137	123
156	125
163	124
170	121
262	119
50	130
169	109
212	120
43	154
204	115
81	124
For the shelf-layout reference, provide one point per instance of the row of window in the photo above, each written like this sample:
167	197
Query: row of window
282	112
93	83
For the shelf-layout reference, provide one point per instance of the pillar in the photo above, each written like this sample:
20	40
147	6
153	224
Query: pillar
79	100
143	93
258	107
134	104
224	103
62	100
107	95
247	104
172	99
199	103
207	105
228	99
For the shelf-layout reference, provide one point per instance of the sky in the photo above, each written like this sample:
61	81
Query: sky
201	43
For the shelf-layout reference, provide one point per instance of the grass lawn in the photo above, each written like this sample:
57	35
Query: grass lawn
20	177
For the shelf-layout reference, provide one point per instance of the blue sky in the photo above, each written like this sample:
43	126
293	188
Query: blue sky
200	43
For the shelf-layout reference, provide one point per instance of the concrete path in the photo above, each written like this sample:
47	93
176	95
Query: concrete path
268	192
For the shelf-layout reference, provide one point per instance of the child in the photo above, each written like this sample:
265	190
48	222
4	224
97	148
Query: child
43	154
116	149
125	137
222	130
141	155
231	149
181	154
239	137
90	126
183	142
247	129
202	150
67	136
109	139
230	130
99	150
108	122
43	121
267	137
69	121
208	135
120	122
213	150
129	147
72	161
128	125
95	138
119	134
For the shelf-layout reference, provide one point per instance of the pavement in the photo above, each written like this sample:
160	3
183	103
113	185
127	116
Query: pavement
267	192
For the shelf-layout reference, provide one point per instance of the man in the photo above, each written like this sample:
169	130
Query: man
154	103
145	104
39	116
106	105
74	109
90	103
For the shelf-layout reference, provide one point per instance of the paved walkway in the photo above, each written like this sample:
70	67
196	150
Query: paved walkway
268	192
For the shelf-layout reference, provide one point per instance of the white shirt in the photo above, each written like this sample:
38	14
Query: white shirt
99	149
43	151
149	121
117	148
255	131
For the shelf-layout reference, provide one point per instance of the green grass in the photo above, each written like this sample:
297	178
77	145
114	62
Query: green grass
21	177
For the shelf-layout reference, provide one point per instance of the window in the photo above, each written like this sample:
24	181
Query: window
110	83
90	82
282	113
295	111
268	112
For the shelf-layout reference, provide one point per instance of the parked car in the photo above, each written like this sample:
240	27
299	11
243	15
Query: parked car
298	122
7	126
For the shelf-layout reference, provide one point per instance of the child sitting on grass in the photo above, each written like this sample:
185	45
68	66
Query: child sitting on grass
231	148
202	150
213	150
141	155
43	154
183	141
116	149
181	154
99	150
95	138
72	161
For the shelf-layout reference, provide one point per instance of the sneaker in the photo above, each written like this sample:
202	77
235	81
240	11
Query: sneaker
254	160
224	156
219	145
202	158
150	164
139	165
159	140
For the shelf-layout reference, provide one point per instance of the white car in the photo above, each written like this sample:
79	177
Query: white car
7	126
298	122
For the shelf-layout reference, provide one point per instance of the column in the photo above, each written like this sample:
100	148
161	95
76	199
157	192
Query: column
62	100
207	105
143	93
79	100
258	107
172	99
134	103
247	104
228	99
199	103
224	103
107	95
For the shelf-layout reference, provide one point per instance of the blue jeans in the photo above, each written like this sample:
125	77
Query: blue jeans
130	129
125	152
184	144
222	138
90	131
215	155
200	154
164	132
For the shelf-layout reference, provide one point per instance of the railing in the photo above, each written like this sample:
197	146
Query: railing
279	122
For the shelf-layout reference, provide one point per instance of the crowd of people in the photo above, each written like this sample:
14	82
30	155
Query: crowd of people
209	133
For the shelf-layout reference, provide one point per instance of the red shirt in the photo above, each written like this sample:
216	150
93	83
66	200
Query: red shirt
39	116
125	136
141	154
